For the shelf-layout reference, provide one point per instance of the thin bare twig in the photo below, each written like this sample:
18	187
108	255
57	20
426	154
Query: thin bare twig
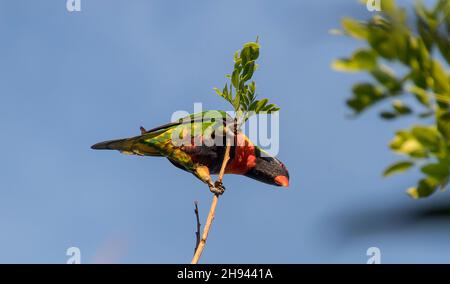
197	233
212	210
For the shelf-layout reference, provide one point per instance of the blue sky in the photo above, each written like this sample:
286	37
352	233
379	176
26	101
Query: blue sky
69	80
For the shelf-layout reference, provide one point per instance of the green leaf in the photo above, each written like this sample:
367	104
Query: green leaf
245	101
397	167
425	188
248	70
260	105
438	171
228	94
388	6
405	143
428	136
443	123
250	52
381	39
235	78
271	108
361	60
443	44
364	95
425	32
421	95
245	55
252	87
253	48
440	78
218	92
275	109
236	57
386	77
401	108
354	28
426	114
388	115
252	107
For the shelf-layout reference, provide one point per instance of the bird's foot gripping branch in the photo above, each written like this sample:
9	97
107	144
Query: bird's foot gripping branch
218	188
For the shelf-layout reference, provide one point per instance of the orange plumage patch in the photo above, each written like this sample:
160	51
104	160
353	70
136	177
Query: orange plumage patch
251	161
244	158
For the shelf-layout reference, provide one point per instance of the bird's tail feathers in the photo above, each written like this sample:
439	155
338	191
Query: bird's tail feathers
127	146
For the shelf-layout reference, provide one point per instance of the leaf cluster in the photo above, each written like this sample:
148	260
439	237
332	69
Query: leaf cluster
240	92
423	52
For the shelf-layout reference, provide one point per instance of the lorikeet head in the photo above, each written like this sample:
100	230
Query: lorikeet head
269	170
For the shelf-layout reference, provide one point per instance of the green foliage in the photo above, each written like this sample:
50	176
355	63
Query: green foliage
243	98
361	60
398	167
422	51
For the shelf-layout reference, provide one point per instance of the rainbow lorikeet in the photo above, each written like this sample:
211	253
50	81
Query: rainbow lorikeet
196	144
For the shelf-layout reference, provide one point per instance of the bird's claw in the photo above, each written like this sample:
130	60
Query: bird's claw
218	188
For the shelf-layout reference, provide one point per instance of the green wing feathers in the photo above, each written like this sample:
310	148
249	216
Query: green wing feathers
159	141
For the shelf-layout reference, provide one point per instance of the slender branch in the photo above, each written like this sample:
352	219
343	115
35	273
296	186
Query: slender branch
212	210
226	158
197	233
209	220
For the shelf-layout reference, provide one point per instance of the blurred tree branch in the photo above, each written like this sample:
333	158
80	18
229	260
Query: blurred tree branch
392	44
